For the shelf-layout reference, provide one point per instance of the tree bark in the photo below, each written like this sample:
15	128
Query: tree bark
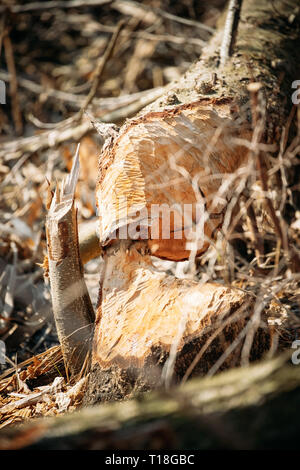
173	153
186	148
89	246
245	408
72	308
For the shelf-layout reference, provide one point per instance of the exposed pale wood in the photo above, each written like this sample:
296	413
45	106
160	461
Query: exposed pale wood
89	245
143	309
101	68
72	307
182	149
150	326
164	159
187	135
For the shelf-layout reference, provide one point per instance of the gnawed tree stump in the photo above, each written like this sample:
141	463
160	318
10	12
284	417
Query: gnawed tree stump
181	151
188	148
151	326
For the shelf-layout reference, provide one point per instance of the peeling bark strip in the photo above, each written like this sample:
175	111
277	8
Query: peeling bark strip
72	308
182	149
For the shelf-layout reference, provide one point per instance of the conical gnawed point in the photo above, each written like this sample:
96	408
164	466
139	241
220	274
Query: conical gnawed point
164	173
168	182
170	241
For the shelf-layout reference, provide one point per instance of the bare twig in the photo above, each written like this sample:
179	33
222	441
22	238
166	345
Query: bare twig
28	145
280	231
40	6
100	68
258	113
170	38
185	21
256	236
16	112
106	104
139	10
2	31
230	30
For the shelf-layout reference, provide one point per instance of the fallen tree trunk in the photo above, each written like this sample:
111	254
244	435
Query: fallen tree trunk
189	150
181	147
245	408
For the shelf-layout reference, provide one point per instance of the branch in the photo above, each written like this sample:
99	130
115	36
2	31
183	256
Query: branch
40	6
230	30
72	307
11	66
101	67
89	244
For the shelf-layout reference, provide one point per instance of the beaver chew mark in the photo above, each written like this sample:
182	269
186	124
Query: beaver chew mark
58	244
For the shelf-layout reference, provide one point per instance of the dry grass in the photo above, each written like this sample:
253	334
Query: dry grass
258	249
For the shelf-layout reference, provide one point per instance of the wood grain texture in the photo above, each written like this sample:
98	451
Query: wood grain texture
170	161
143	310
186	148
